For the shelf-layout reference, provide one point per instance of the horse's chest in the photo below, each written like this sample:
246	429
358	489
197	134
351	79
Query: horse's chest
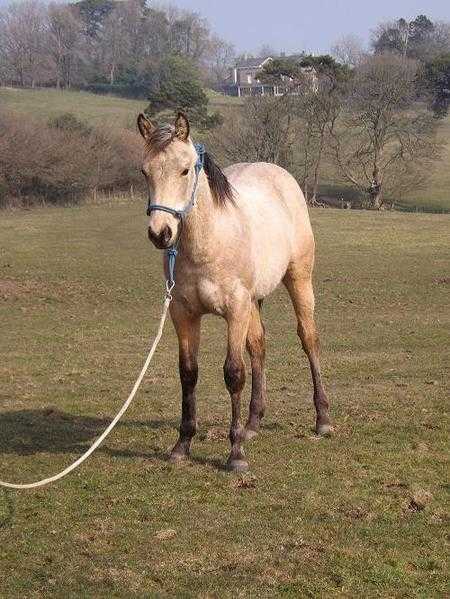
203	295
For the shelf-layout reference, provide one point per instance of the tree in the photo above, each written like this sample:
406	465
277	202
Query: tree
349	50
23	31
64	40
92	13
420	38
263	131
179	87
384	143
189	34
316	85
220	58
437	79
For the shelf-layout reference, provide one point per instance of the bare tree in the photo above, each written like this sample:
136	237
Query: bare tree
349	50
384	143
64	40
263	131
23	30
220	57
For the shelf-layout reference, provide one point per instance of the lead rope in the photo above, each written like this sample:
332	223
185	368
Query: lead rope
119	415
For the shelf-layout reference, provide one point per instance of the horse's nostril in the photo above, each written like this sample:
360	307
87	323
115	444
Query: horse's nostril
166	235
162	239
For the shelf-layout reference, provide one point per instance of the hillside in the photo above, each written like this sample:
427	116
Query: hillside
45	103
96	109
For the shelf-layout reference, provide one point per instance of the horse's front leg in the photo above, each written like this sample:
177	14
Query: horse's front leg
257	351
234	373
188	331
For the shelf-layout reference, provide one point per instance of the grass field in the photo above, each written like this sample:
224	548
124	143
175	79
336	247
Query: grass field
92	108
361	514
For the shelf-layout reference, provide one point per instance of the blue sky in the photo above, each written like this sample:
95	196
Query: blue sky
292	25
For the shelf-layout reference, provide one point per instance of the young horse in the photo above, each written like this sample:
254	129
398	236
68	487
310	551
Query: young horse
248	230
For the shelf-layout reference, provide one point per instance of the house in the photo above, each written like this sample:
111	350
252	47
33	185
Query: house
243	81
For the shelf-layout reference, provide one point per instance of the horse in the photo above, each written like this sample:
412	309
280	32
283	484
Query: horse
247	230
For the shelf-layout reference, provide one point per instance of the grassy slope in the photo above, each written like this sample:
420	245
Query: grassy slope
80	295
95	109
45	103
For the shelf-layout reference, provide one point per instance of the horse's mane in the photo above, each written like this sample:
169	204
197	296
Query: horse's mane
220	187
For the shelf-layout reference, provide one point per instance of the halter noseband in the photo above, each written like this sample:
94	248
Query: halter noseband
172	252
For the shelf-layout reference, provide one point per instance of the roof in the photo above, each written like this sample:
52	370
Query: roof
248	63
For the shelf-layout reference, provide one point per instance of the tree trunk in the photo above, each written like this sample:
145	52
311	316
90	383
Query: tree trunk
377	200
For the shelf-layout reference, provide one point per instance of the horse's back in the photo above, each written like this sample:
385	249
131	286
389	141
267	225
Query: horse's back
279	231
272	193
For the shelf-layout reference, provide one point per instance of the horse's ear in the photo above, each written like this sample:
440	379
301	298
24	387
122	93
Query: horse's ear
145	126
182	127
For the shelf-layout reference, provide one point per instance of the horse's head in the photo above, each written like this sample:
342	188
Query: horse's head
168	167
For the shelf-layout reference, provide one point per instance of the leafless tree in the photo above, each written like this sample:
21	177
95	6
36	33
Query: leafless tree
220	57
64	41
349	50
23	31
263	131
384	143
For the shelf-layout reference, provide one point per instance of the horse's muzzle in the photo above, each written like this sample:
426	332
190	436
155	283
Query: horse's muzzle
163	239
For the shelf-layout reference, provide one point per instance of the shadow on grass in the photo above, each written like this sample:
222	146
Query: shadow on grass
27	432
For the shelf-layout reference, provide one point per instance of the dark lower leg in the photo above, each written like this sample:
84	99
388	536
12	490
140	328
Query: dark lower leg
234	374
188	331
256	350
188	426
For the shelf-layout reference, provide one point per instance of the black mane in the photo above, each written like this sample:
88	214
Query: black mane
221	189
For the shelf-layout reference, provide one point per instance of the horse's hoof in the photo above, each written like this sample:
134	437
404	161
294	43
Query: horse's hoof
324	430
248	434
177	458
237	466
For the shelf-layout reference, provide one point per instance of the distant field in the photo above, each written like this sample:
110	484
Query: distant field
361	514
93	108
96	109
438	194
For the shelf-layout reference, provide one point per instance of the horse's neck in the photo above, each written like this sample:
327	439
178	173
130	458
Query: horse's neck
196	234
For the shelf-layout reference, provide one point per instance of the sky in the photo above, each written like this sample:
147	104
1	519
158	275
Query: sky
313	26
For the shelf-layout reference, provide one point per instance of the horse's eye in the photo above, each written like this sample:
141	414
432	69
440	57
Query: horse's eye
143	172
185	172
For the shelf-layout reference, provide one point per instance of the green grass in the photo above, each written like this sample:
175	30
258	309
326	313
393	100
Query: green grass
92	108
80	297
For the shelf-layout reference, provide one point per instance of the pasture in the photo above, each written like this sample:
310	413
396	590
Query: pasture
360	514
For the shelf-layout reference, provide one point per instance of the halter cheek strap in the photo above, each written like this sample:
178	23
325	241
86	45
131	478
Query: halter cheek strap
172	252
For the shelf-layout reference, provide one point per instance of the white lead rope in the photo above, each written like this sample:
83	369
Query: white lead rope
122	411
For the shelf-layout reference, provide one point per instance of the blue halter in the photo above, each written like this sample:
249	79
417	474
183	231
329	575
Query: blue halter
172	252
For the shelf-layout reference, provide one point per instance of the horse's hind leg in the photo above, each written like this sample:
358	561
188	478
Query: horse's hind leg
188	332
257	352
302	295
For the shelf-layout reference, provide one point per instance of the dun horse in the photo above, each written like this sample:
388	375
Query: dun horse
248	231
